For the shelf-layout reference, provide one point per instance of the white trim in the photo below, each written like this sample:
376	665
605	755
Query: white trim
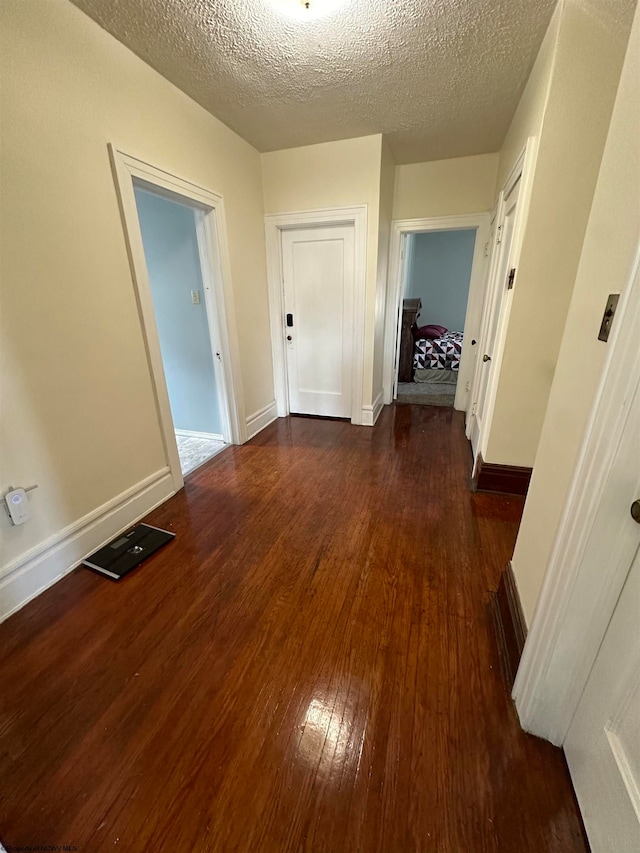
523	171
370	414
39	568
189	433
563	640
128	172
275	224
400	229
261	419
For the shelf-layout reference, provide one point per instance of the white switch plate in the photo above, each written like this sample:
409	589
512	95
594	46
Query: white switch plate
18	506
195	297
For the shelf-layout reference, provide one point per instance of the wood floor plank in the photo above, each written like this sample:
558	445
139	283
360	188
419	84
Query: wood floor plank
309	666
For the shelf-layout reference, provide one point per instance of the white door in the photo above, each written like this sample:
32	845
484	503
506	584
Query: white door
493	321
318	271
603	742
487	301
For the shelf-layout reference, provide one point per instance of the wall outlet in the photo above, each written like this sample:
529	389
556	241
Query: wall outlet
17	506
195	297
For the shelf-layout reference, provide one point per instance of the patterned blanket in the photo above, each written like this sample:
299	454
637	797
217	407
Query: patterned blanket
439	354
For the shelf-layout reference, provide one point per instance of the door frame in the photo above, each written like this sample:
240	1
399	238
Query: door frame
523	171
574	610
401	229
491	257
275	224
130	172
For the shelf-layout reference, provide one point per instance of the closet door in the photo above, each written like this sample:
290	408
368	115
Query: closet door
318	269
498	296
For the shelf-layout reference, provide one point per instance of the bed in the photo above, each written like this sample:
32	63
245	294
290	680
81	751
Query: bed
441	353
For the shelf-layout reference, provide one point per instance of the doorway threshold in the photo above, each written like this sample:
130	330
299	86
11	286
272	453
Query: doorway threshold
194	452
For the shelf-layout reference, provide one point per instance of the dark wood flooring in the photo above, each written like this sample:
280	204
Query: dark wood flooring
309	666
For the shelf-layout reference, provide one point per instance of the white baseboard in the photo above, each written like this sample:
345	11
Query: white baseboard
370	414
31	573
261	419
189	433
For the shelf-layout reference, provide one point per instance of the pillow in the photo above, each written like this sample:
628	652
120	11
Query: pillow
429	332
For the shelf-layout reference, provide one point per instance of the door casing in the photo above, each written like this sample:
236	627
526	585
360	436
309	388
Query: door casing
275	224
130	171
575	608
400	230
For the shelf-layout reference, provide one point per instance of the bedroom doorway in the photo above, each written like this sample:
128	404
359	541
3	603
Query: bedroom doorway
433	309
434	306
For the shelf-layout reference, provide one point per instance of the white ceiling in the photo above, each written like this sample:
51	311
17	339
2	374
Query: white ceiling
441	78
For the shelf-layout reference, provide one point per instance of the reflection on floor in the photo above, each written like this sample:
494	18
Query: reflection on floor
311	665
195	451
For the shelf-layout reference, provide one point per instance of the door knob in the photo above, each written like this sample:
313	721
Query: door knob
486	357
635	511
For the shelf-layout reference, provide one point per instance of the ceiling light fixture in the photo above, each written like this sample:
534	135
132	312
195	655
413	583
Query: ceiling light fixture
306	10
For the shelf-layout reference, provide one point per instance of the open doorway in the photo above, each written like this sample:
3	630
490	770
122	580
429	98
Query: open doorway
434	304
185	331
434	307
190	258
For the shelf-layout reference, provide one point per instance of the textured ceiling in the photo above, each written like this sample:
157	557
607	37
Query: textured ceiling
441	78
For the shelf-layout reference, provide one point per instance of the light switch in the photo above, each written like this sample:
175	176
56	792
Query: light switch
607	317
195	297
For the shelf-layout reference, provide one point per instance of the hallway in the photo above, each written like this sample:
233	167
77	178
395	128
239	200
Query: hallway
309	666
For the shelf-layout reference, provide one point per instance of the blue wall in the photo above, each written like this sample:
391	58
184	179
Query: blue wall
439	272
171	251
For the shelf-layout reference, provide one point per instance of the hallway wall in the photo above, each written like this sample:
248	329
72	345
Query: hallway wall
611	242
582	82
445	187
78	410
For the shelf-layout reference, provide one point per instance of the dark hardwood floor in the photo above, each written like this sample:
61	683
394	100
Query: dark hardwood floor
309	666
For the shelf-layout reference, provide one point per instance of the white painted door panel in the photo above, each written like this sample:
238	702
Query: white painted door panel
473	427
318	268
603	742
498	297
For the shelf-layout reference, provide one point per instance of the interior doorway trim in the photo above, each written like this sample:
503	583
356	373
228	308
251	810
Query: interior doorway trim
401	229
523	170
275	224
574	610
130	172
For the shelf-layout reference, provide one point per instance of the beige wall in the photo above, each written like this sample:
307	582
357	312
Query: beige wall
333	174
445	187
586	68
529	115
78	414
611	241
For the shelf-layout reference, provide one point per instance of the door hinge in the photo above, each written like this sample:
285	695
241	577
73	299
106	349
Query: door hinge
499	234
510	280
473	408
486	249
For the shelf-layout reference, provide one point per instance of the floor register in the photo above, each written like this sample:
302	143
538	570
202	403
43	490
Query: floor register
128	551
